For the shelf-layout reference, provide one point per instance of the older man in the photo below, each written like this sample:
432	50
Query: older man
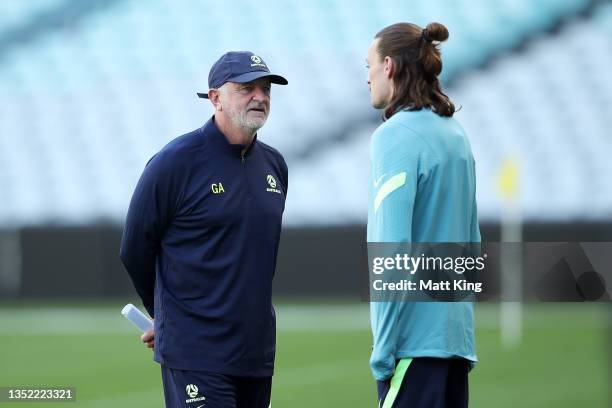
200	244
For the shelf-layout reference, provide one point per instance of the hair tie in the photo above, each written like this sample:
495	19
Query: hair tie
424	35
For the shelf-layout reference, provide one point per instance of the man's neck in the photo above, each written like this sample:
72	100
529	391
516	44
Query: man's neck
234	134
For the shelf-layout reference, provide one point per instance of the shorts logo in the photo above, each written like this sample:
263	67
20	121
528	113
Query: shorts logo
192	390
192	393
272	183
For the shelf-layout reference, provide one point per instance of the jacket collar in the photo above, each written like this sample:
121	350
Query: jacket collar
219	142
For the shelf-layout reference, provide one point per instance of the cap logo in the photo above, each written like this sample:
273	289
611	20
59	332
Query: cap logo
257	62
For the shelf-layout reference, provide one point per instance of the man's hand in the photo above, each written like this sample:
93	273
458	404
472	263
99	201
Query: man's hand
148	338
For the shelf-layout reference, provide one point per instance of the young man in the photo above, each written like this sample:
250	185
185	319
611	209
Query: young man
200	244
423	190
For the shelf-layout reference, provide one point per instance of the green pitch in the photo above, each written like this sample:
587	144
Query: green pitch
322	357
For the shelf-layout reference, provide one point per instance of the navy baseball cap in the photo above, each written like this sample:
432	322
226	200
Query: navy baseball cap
240	67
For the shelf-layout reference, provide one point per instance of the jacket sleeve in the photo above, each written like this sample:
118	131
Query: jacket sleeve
284	170
151	210
396	160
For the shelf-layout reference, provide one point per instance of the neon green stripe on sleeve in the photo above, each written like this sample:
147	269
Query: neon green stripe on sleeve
390	186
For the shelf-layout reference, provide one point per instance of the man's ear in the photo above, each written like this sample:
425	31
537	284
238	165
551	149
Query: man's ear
389	67
213	97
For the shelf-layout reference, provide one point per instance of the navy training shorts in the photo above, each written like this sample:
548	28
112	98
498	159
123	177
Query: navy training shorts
199	389
426	382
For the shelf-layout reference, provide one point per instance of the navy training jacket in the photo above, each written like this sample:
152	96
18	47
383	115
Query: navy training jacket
200	243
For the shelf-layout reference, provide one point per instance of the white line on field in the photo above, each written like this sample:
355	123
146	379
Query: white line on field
108	321
290	318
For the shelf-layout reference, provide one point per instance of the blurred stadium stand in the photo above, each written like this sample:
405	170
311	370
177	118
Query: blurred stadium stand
90	90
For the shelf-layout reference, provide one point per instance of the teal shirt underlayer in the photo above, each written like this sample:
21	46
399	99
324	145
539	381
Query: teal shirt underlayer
436	203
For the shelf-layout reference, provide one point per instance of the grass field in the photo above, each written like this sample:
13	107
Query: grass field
322	357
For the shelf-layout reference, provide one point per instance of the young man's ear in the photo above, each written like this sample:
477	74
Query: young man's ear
389	67
213	96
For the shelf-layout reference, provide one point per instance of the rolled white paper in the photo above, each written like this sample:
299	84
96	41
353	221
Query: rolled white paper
134	315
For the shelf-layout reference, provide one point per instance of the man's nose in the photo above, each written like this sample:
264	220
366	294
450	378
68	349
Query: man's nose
260	94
